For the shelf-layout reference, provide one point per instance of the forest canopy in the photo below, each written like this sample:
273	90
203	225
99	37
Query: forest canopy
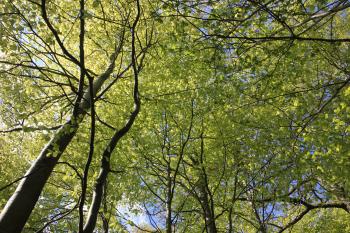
174	116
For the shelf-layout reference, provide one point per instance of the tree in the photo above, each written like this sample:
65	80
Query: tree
266	144
32	183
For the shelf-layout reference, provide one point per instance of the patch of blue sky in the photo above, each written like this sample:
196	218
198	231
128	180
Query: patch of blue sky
127	213
148	215
23	38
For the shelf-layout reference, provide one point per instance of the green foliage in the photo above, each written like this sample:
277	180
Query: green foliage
230	101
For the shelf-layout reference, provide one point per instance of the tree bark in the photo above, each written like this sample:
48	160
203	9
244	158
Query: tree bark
208	212
230	224
19	207
205	196
106	156
168	218
169	199
105	167
97	197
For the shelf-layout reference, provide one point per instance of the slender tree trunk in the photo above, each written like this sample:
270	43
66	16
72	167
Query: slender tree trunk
19	207
169	200
106	156
230	224
168	218
105	224
97	197
105	168
205	194
208	212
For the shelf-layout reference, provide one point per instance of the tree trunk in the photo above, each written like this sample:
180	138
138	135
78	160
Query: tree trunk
168	218
169	199
105	169
106	157
97	198
208	212
19	207
230	224
205	196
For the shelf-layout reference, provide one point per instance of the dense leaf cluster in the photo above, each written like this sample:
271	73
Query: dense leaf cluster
174	116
